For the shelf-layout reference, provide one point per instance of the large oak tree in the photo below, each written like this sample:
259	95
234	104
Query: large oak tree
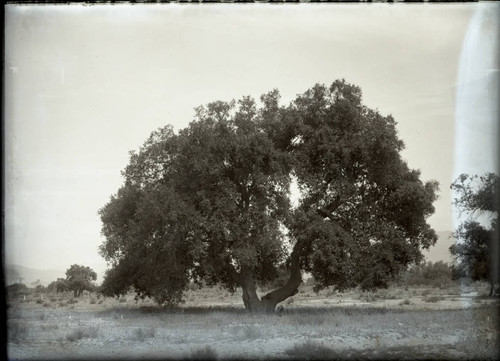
212	203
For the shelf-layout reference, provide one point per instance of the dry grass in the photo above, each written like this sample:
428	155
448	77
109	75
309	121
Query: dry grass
433	299
311	350
141	334
81	333
307	325
17	331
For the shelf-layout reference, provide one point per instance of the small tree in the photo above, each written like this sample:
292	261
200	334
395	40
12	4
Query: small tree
476	253
16	290
79	278
58	286
40	289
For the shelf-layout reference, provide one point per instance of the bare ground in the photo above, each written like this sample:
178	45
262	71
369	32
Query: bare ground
396	324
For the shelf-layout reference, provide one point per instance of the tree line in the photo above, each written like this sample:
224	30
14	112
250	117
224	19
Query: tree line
78	279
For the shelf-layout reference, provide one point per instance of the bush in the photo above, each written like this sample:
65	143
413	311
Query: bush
429	274
433	299
311	351
368	296
251	332
88	332
17	290
206	353
142	334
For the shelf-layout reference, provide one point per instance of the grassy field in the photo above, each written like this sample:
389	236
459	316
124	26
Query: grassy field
397	323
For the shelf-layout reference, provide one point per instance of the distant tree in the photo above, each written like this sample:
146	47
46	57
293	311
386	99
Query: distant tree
476	252
429	274
59	286
40	289
17	289
212	203
79	278
458	271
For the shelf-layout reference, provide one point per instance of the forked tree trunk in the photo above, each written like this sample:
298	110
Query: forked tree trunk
268	303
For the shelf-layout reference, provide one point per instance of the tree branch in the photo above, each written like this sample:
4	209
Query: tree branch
295	279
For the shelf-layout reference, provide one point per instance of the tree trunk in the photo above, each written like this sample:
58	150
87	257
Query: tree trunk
75	293
492	286
250	299
291	287
268	303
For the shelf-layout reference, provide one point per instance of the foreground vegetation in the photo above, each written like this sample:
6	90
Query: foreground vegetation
416	322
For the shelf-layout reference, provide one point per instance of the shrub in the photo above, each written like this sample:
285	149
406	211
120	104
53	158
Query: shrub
406	301
426	292
206	353
142	334
386	295
368	296
93	301
80	333
17	290
429	274
310	350
433	299
193	286
39	301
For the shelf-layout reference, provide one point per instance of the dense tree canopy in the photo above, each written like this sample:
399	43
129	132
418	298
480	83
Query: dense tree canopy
78	279
476	252
213	202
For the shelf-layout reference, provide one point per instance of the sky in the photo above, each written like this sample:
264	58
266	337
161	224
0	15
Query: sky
84	85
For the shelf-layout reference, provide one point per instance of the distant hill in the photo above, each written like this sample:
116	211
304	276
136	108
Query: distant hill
29	275
440	251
